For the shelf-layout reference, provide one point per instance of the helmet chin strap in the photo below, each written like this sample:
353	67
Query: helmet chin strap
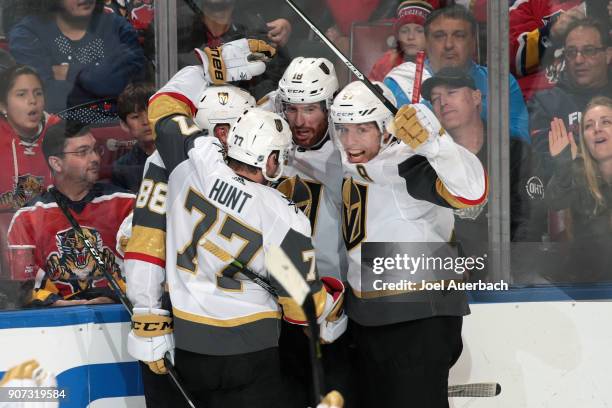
279	172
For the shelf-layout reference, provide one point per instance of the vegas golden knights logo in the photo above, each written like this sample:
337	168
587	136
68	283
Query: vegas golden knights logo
223	97
354	200
279	125
305	194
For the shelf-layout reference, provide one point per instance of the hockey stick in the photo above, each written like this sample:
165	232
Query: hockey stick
282	269
194	7
245	270
114	285
418	76
474	390
375	90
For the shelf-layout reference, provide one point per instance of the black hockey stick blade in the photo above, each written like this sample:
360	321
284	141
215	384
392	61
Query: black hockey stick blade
474	390
282	269
287	275
373	88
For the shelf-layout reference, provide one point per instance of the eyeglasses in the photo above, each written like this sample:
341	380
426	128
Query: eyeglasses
86	151
587	52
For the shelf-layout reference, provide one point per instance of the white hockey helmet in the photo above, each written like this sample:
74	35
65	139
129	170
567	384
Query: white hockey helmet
308	80
222	104
255	135
357	104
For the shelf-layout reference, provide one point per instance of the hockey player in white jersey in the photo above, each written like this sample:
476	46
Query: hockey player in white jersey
313	181
226	326
403	175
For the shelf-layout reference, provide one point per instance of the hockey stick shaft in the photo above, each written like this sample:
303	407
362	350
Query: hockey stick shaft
388	104
115	286
225	256
418	77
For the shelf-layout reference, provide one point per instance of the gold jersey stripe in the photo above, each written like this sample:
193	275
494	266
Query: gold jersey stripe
238	321
164	105
459	202
148	241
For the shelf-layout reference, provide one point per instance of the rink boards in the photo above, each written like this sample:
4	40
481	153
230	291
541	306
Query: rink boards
544	347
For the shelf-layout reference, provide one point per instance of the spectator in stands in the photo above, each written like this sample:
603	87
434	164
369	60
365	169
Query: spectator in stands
450	35
82	53
457	103
537	29
587	55
410	36
582	182
23	123
42	243
216	23
132	109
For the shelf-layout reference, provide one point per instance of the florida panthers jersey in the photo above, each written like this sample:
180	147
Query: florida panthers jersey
210	213
317	192
402	197
44	246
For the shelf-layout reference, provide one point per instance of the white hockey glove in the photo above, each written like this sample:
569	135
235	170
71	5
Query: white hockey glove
332	400
418	127
237	60
151	337
333	321
28	374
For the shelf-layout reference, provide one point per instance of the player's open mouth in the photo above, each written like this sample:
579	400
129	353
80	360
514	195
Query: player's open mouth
302	133
355	154
600	140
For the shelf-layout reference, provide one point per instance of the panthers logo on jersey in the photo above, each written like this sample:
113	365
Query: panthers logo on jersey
73	263
354	200
305	194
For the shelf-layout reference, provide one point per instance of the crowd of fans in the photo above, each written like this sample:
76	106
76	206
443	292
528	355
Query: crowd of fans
91	62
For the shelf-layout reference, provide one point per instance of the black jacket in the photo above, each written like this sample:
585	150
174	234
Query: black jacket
565	101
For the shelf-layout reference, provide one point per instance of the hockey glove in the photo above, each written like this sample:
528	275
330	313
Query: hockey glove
234	61
151	337
418	127
28	374
333	321
332	400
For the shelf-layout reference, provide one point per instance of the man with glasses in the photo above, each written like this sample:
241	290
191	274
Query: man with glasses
44	249
587	54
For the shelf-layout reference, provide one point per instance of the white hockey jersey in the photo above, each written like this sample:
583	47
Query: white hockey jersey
317	192
399	196
145	255
217	310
